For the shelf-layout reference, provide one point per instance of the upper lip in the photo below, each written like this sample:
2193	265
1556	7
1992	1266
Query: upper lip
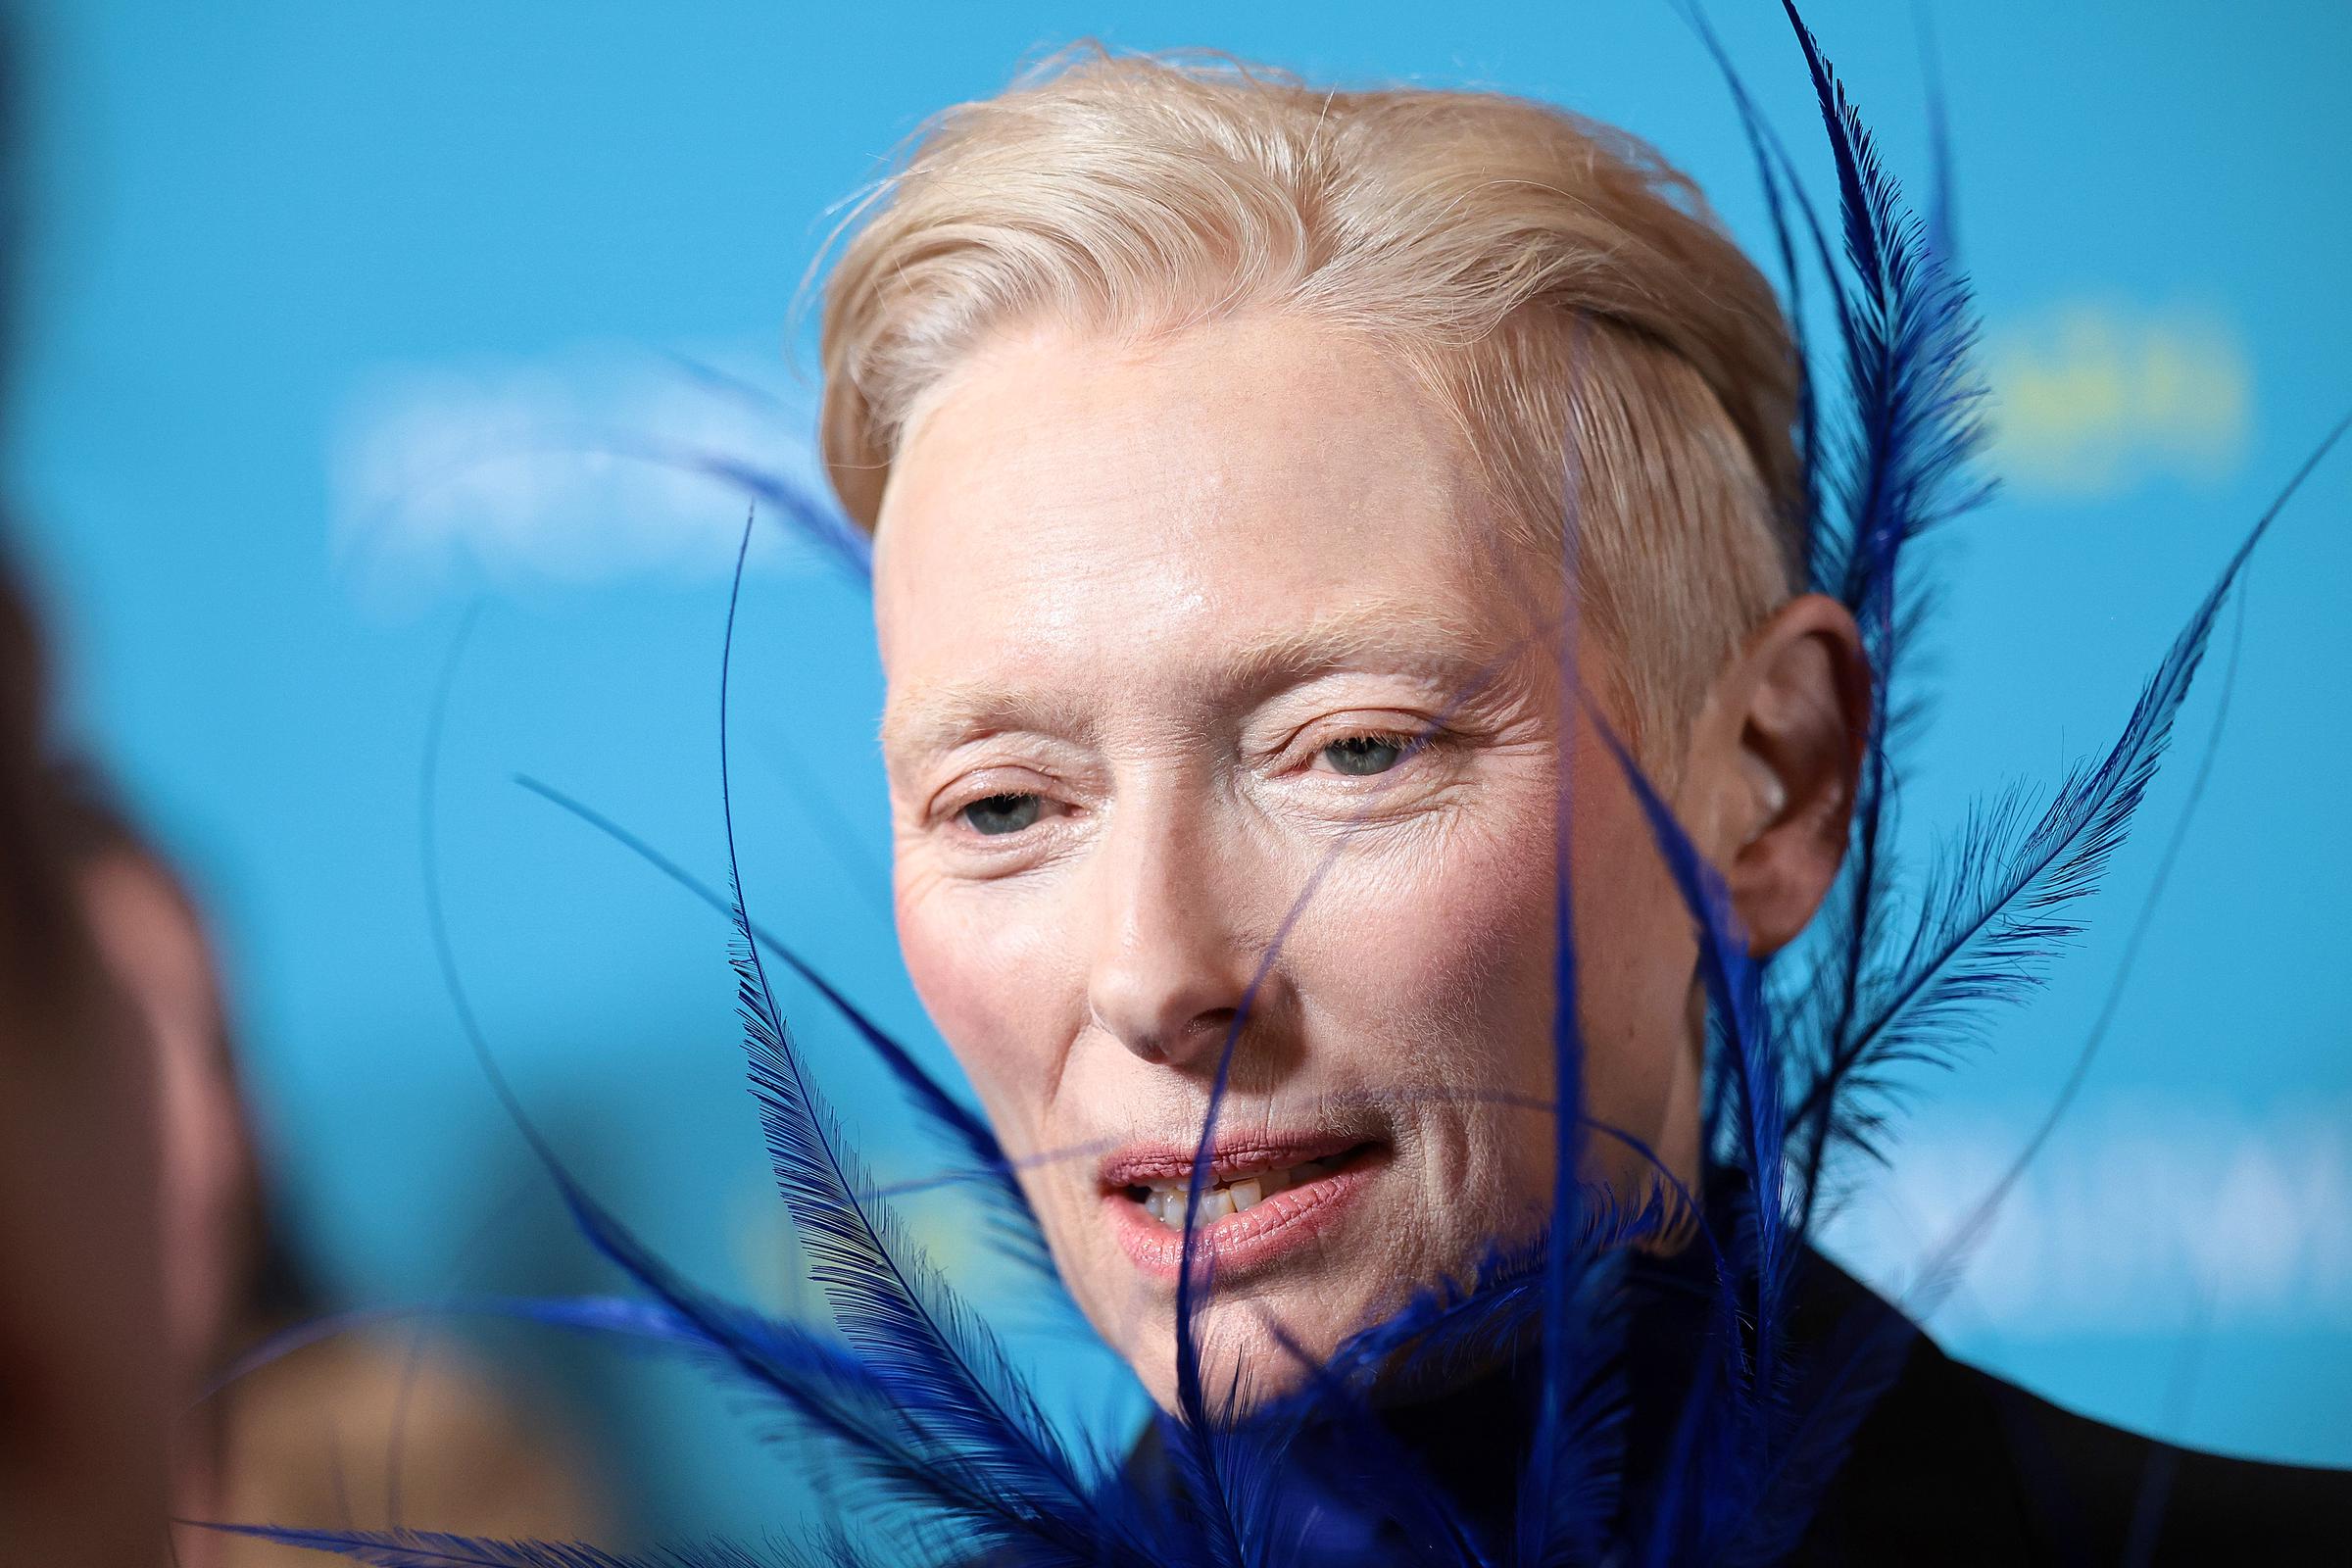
1138	1164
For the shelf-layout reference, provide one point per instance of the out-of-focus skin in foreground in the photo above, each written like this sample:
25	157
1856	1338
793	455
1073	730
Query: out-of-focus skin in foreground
84	1387
315	1438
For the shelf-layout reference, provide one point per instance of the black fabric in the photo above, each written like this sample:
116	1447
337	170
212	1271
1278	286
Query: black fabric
1953	1466
1949	1465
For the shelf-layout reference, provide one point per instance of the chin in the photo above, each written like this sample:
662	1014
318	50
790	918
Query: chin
1260	1344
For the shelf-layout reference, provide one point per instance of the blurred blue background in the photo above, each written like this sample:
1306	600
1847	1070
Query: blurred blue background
327	304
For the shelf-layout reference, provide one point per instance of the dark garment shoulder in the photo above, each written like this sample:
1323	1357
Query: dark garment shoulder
1953	1466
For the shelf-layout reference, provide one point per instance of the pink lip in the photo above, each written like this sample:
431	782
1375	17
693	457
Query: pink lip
1238	1244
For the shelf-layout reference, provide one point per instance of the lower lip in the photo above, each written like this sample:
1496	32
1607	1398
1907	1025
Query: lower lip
1246	1243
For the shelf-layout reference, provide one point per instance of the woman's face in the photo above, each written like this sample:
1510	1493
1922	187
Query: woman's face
1162	628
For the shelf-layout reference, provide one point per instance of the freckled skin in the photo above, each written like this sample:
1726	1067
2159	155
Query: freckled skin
1084	545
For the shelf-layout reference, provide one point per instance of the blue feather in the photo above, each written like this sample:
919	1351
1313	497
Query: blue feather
1997	907
424	1548
1830	1400
915	1335
1980	956
1015	1223
1733	984
840	1396
1908	333
1730	1428
1381	1480
1568	1483
1448	1328
1773	166
1457	1327
925	1468
1568	1498
897	1432
804	516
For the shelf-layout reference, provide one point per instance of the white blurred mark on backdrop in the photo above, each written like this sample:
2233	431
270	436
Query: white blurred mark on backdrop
580	468
2138	1207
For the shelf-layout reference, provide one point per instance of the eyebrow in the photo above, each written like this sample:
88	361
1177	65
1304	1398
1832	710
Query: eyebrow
1412	637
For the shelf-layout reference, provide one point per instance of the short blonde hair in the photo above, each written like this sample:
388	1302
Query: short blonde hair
1564	290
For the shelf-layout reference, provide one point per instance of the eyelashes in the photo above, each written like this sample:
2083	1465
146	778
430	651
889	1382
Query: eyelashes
996	816
1342	762
1365	756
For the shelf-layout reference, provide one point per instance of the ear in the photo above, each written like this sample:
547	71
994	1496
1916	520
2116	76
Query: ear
1773	757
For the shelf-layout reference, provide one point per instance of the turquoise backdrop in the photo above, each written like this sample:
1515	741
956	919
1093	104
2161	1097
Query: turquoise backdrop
333	308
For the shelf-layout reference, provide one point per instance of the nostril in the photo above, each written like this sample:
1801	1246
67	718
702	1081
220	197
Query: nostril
1217	1021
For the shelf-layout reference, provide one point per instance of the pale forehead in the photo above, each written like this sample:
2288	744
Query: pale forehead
1225	419
1063	507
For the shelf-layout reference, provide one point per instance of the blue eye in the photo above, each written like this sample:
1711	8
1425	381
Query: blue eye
1001	813
1364	755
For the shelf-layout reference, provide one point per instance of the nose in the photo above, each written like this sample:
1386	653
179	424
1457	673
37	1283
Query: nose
1172	964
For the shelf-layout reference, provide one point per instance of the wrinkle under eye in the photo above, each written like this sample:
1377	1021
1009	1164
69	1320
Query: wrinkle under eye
1364	755
998	814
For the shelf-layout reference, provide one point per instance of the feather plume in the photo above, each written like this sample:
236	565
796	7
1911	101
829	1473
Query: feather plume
1730	1428
1382	1479
1450	1328
1735	988
1907	332
915	1336
935	1472
1963	965
1009	1213
1460	1326
1782	193
424	1548
888	1428
2000	900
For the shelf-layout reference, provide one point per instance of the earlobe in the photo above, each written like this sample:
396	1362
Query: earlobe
1798	697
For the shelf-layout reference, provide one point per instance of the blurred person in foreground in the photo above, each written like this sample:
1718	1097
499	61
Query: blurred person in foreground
353	1429
83	1384
83	1391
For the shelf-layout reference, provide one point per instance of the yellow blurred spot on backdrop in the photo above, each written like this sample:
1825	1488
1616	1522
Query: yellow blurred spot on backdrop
2094	397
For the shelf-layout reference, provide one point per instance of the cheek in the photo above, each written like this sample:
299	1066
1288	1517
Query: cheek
1458	934
999	985
1439	966
1434	961
1637	957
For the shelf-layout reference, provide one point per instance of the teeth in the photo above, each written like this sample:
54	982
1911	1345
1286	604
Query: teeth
1165	1201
